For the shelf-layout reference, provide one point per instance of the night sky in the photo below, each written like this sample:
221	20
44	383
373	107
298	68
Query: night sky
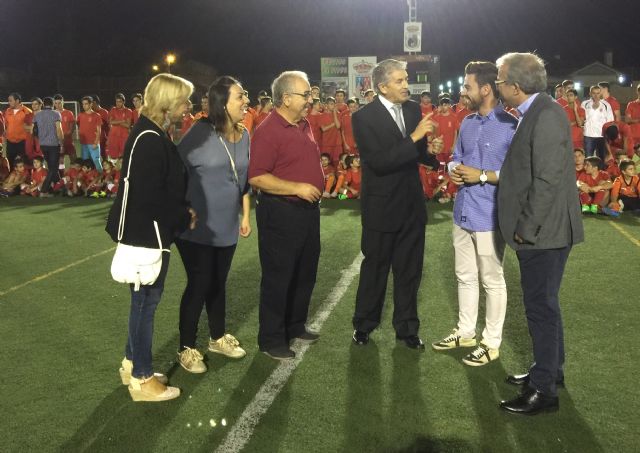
114	37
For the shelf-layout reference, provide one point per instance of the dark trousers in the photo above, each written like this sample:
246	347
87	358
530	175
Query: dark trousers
594	146
52	156
630	203
15	150
207	268
289	246
402	252
540	276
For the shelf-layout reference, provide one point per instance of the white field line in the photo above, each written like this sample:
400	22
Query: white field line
54	272
625	233
242	430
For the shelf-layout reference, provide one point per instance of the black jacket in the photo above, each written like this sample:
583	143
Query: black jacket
157	189
391	188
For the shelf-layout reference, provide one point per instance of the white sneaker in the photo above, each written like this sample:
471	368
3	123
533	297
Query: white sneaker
191	360
227	345
149	389
453	341
127	368
481	355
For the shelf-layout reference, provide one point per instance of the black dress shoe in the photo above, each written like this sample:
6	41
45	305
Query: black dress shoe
412	341
523	379
360	338
531	402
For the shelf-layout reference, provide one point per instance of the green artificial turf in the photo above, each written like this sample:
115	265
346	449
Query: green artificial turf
63	338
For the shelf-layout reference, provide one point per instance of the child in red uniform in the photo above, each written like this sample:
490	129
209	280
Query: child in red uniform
341	174
594	185
68	126
137	101
110	179
70	181
329	174
266	105
89	179
349	143
331	142
38	175
31	143
341	95
104	131
314	117
577	116
119	123
447	128
426	106
4	168
16	179
353	179
617	136
625	192
578	158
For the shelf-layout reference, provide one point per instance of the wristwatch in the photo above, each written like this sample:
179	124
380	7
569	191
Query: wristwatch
483	177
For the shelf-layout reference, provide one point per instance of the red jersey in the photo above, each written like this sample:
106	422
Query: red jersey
612	168
354	179
462	112
578	173
430	180
347	131
622	188
613	102
88	124
123	114
447	128
104	114
72	173
187	122
249	120
260	117
562	101
592	181
31	143
341	107
68	121
135	116
111	176
88	176
633	112
314	121
328	171
577	135
38	176
624	132
331	138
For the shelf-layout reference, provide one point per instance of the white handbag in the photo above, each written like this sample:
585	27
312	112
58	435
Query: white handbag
131	264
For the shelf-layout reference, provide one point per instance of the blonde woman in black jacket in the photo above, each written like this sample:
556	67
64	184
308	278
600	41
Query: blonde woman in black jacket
157	189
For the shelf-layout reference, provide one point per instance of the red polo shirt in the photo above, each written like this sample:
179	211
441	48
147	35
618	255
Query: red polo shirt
286	151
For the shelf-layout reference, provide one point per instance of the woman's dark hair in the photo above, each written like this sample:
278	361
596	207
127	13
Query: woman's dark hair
218	95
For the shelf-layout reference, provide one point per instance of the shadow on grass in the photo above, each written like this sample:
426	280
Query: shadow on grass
364	400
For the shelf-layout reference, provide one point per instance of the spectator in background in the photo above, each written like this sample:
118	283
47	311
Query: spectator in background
204	107
348	142
216	155
341	96
597	113
49	125
576	115
625	191
285	168
15	133
266	105
617	137
249	120
16	179
594	185
329	172
104	130
567	85
369	96
315	118
426	106
32	144
90	132
558	92
605	95
68	127
632	117
447	129
137	101
578	158
119	124
331	142
187	120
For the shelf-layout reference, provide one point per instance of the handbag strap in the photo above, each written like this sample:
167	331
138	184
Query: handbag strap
125	195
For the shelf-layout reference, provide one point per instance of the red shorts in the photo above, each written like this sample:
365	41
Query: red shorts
115	146
68	148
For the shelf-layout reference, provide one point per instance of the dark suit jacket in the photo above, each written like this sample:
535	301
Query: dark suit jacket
537	194
157	190
391	188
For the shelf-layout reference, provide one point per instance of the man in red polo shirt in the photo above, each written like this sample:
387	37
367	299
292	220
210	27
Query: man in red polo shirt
119	123
136	100
89	130
632	117
68	126
605	95
104	131
285	168
577	116
348	141
15	133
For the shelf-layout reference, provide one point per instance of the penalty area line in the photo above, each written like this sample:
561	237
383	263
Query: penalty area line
243	429
54	272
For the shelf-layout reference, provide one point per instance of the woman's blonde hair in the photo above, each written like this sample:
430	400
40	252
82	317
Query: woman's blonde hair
164	93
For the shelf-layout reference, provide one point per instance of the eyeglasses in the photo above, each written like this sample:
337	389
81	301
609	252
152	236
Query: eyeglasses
306	94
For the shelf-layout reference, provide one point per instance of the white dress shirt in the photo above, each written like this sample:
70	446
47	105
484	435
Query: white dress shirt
389	106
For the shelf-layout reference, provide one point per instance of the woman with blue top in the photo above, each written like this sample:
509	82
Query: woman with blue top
216	154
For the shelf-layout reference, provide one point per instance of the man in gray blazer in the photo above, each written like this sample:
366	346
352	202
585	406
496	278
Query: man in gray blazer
539	216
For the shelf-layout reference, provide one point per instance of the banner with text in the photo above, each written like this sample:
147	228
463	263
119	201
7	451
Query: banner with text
334	72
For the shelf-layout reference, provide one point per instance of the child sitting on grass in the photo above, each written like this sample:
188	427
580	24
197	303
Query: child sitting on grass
353	179
110	179
329	174
341	173
38	175
16	180
90	179
70	183
625	193
594	185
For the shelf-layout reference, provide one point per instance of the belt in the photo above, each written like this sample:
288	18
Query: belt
293	201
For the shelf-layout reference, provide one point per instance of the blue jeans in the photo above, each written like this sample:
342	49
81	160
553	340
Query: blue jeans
143	309
594	146
92	152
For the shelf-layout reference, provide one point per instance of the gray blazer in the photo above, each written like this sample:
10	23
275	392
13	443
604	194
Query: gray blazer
537	194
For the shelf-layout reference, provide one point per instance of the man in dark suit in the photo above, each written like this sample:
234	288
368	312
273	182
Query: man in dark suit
390	133
539	215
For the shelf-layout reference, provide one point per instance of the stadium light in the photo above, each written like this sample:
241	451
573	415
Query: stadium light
577	86
448	83
170	59
460	80
621	79
155	68
441	86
